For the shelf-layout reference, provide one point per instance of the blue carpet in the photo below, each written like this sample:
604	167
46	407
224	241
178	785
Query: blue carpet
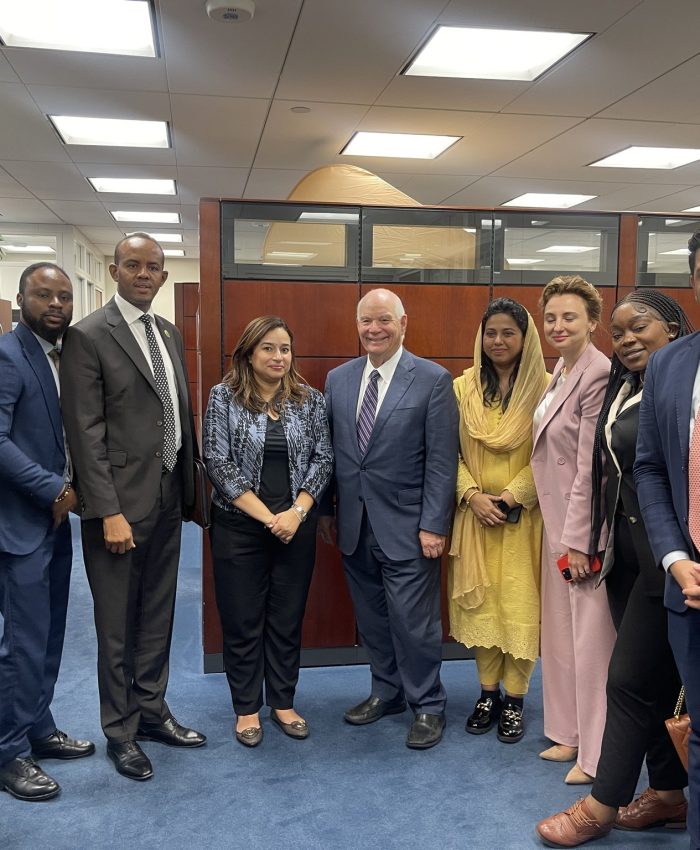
345	787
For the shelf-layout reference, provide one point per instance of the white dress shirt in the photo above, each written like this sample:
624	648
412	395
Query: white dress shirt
386	373
47	348
132	316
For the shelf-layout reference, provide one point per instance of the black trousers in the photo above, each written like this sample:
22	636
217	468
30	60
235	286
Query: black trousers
134	599
643	686
261	589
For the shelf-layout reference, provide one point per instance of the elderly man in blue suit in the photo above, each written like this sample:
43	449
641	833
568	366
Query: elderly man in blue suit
393	417
35	537
667	474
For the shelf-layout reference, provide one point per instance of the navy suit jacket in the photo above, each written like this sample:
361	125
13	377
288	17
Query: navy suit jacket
406	478
32	454
661	466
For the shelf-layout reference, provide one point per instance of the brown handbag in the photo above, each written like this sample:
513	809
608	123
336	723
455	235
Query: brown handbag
679	729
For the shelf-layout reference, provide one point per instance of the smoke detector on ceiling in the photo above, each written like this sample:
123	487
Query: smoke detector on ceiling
241	10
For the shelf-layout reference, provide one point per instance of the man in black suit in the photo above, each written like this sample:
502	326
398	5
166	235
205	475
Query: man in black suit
35	539
128	417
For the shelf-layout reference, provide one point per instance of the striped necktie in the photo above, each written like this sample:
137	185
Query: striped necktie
365	421
169	447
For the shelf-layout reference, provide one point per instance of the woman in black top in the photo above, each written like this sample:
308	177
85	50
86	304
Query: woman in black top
643	682
268	454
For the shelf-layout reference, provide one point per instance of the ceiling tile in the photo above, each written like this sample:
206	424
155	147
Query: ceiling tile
100	70
24	132
49	180
26	210
204	182
9	187
272	183
81	213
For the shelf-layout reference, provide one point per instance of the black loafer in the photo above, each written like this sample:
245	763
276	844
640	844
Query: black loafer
130	760
426	731
25	780
373	709
296	729
510	723
58	745
486	713
171	733
250	737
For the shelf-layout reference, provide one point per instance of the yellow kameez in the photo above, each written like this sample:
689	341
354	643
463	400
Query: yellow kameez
509	615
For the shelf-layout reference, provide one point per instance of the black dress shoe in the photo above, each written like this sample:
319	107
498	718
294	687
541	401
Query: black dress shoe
372	709
24	779
426	731
510	723
486	713
58	745
296	729
130	760
170	732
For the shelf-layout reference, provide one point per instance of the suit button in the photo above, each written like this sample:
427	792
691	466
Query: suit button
360	498
561	461
159	422
363	468
632	519
159	454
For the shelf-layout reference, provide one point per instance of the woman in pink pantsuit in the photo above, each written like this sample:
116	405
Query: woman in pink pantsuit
577	630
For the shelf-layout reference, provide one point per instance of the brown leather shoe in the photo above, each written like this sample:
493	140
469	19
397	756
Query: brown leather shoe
649	810
575	825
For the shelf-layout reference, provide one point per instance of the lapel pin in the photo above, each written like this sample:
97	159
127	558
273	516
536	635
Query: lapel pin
166	332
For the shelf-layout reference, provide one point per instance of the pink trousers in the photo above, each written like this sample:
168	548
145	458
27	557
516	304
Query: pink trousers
577	639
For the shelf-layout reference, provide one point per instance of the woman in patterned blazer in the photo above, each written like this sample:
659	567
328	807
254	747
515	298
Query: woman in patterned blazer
268	454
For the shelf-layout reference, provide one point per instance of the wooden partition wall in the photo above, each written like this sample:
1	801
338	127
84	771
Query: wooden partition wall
442	324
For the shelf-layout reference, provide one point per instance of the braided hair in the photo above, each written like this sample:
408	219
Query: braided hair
669	311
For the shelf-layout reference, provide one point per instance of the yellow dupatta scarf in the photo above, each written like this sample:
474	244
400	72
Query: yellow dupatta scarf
469	576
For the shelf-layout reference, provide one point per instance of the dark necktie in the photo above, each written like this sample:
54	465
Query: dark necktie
365	421
694	485
169	447
55	355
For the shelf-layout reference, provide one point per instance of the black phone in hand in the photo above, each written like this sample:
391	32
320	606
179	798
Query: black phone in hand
512	514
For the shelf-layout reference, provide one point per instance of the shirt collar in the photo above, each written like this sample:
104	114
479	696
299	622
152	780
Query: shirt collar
130	313
386	370
46	345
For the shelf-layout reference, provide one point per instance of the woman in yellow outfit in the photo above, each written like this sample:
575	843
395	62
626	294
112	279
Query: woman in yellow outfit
494	584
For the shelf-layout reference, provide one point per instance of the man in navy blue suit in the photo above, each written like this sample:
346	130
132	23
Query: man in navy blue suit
667	420
35	537
394	418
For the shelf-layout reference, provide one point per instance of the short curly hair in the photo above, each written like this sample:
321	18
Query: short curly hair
574	285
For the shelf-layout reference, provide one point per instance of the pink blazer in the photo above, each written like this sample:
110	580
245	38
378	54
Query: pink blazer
563	451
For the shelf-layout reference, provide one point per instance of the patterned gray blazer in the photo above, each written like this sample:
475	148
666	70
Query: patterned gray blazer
234	443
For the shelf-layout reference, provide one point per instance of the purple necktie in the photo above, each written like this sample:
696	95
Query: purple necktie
365	421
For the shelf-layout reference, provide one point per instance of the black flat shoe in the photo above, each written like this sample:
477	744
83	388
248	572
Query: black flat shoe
58	745
296	729
373	709
130	760
25	780
486	713
426	731
510	723
250	737
171	733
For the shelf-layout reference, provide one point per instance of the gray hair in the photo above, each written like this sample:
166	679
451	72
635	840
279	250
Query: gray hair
392	299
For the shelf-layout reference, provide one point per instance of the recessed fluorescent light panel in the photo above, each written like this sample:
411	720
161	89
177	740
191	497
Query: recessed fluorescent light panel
124	27
641	157
111	132
146	217
692	210
524	261
27	249
543	199
173	252
681	252
404	145
133	186
489	54
329	218
566	249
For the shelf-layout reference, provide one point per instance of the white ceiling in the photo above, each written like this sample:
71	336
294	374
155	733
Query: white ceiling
227	91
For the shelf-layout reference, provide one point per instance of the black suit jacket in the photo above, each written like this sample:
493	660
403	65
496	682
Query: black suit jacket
113	415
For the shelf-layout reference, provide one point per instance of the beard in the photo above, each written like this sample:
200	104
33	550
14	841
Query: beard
48	332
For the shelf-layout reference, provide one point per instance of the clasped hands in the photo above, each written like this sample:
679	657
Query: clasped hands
284	525
687	574
484	507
